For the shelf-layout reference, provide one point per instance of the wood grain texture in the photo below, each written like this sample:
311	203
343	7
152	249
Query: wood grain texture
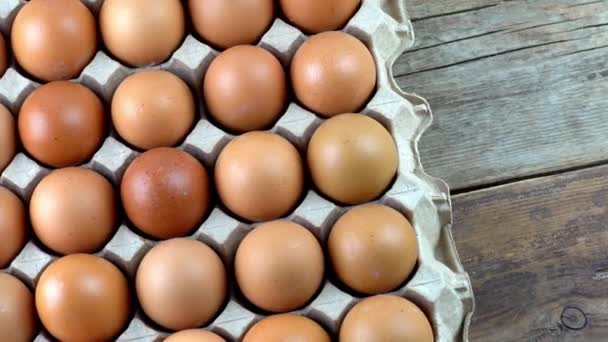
537	254
518	88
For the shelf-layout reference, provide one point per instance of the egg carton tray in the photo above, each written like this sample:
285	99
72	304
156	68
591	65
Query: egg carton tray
439	286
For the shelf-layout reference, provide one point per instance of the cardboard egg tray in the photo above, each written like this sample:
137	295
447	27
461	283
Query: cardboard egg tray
439	286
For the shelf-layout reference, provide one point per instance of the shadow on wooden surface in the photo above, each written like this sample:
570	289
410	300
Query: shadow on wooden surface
537	254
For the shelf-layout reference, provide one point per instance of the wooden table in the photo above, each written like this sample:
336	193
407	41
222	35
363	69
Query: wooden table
520	95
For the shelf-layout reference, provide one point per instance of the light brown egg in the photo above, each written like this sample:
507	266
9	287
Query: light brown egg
8	137
315	16
279	266
286	328
181	284
4	55
259	176
74	210
82	297
153	108
18	322
386	318
62	124
141	34
229	23
352	158
54	39
165	192
13	226
333	73
245	96
373	248
194	335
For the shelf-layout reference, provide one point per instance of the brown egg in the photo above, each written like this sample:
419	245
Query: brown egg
287	328
259	176
62	124
74	210
181	284
373	248
82	297
165	192
54	39
141	34
245	96
194	335
8	137
229	23
315	16
279	266
17	310
3	55
13	227
386	318
352	158
153	108
333	73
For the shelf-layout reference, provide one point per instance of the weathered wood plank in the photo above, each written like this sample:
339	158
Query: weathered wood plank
537	254
518	87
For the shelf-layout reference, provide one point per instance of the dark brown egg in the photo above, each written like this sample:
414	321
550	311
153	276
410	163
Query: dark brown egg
181	284
165	192
13	226
8	137
279	266
287	328
62	124
373	248
3	55
333	73
194	335
352	158
229	23
259	176
139	33
153	108
82	297
54	39
245	96
18	322
386	318
315	16
74	210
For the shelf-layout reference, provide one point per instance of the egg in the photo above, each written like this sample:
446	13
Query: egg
4	55
82	297
181	284
165	192
153	108
62	124
373	249
13	226
333	73
194	335
315	16
8	137
229	23
54	39
385	318
259	176
286	328
139	33
74	210
279	266
18	321
352	158
245	96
